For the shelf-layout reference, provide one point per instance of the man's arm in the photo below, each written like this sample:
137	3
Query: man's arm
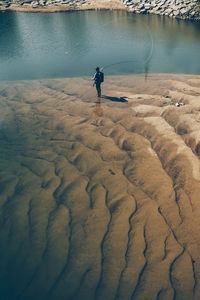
93	78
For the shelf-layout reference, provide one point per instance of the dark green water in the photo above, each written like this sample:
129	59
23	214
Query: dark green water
71	44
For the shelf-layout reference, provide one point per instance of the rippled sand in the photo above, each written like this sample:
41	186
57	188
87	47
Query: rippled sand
100	199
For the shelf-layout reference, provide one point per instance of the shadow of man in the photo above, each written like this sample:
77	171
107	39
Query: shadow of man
115	99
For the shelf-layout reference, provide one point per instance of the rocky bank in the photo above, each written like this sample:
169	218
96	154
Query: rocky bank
184	9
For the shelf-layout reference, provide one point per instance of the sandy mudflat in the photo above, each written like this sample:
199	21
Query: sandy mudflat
100	199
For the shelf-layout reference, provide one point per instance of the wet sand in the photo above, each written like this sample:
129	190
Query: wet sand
100	198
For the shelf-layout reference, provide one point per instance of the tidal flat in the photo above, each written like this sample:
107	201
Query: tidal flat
99	198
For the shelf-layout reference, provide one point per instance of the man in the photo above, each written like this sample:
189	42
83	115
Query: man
98	79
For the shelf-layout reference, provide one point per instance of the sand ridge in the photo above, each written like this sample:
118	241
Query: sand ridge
99	198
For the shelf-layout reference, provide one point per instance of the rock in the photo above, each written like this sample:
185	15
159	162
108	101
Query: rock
168	11
192	13
176	13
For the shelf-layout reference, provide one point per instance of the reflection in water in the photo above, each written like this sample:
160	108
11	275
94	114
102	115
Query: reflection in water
72	43
10	38
77	37
146	71
98	112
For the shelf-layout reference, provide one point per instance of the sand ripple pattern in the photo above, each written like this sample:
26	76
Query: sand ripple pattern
100	199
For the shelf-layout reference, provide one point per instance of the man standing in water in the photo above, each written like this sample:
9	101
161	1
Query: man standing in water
98	79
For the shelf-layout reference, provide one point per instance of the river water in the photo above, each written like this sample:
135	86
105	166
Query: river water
68	44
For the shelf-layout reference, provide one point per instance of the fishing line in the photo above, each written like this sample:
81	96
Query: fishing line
150	54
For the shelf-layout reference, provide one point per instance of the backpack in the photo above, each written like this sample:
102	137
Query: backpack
99	77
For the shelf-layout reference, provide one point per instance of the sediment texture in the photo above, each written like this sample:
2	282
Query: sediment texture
100	199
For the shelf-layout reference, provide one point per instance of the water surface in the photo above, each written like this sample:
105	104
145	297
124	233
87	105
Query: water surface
71	44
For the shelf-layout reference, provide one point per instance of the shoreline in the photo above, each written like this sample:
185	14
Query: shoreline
146	77
111	5
179	9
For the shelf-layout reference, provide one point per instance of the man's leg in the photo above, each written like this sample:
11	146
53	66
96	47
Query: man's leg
100	90
98	87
